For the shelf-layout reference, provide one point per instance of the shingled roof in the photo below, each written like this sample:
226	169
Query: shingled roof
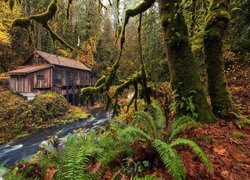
29	69
62	61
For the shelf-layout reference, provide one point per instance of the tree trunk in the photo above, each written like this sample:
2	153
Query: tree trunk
184	70
216	23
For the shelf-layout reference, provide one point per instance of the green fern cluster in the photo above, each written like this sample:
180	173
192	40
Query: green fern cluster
150	127
80	151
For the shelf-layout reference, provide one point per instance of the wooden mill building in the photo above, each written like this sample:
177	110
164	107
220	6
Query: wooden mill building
44	71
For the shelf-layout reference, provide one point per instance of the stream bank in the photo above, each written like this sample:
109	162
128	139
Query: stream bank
27	146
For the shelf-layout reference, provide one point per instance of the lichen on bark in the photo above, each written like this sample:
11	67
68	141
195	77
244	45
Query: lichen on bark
216	24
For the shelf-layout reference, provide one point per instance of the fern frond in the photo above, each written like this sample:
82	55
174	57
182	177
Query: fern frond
196	149
131	134
170	159
181	120
145	122
159	117
180	124
181	128
147	177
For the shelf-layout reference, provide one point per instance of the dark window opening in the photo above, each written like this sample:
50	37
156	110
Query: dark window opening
40	77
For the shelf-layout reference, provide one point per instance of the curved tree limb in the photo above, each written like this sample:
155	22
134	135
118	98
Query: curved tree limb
145	5
43	19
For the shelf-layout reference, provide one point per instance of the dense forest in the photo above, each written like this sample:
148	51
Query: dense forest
170	98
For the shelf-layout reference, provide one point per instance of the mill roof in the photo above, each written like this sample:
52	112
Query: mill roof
21	70
62	61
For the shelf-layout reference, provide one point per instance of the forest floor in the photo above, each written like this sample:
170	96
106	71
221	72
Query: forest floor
226	143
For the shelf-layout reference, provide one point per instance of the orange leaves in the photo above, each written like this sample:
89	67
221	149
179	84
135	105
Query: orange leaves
220	150
50	172
94	167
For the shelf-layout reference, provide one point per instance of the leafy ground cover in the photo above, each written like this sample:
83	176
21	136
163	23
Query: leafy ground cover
19	117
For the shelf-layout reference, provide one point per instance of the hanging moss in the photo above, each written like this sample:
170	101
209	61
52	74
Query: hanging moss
216	24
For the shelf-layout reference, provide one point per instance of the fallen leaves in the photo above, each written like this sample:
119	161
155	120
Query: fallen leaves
50	172
220	151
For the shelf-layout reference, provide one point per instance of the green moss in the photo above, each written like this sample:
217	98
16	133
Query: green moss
183	68
238	136
68	8
216	23
21	22
48	15
11	4
42	19
100	81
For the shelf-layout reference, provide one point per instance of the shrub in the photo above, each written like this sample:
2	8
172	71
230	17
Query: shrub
49	105
14	111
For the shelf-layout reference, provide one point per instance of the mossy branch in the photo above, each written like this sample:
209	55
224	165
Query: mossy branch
104	83
43	19
145	5
68	8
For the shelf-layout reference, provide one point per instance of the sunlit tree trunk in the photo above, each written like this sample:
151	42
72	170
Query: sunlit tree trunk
216	23
184	70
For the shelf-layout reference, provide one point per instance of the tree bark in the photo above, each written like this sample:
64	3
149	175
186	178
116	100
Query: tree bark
184	70
216	23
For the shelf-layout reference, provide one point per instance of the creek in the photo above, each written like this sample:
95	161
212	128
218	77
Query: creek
27	146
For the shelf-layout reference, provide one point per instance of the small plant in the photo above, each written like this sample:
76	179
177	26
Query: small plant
184	104
150	128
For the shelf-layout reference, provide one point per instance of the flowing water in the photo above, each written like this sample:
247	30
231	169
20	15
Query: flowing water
27	146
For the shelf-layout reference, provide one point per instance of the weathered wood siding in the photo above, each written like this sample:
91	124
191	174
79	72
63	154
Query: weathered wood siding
63	76
40	83
20	83
27	83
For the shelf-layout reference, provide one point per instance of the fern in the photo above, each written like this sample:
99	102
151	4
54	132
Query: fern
184	122
170	159
182	127
131	134
147	177
153	125
160	118
197	150
145	121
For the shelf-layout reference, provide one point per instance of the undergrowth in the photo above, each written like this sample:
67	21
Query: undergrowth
112	149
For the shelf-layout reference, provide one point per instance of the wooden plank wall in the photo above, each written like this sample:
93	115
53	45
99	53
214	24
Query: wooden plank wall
29	82
63	76
46	83
60	76
20	83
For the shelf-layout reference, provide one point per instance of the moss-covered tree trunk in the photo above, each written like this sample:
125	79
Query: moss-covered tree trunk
216	23
184	70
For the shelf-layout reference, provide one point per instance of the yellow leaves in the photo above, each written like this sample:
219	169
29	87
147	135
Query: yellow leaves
88	48
5	20
5	38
